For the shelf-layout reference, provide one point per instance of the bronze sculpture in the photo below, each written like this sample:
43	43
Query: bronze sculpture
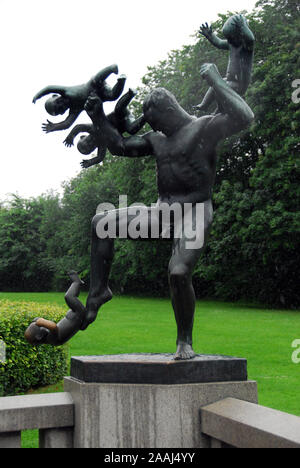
185	152
184	148
42	331
121	118
74	97
240	43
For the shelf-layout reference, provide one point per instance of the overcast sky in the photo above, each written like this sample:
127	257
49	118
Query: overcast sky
66	42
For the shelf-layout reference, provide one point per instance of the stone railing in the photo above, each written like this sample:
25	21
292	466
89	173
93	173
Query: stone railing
227	423
52	414
239	424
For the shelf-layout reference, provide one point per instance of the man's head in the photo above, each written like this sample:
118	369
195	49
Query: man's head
162	111
86	144
56	105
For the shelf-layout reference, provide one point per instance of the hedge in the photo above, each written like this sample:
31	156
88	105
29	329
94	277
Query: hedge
28	366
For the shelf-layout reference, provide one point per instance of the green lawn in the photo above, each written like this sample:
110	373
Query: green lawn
263	336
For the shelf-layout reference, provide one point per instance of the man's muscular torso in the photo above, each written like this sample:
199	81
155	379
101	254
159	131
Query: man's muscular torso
186	163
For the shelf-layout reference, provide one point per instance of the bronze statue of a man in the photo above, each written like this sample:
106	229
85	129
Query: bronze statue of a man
185	151
184	148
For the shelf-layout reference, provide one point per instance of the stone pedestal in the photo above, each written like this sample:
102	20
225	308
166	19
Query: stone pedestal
150	401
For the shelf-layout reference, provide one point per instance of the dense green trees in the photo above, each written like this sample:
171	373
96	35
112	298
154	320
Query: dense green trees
22	258
259	227
253	251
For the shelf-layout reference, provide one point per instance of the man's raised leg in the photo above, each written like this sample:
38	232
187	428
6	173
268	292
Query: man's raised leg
102	251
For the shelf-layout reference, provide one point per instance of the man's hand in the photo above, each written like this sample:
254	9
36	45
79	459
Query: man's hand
48	127
210	73
206	30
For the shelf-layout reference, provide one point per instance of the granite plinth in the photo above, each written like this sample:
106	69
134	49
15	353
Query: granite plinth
159	369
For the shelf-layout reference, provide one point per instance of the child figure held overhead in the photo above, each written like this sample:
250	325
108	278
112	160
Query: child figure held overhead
240	43
121	119
74	97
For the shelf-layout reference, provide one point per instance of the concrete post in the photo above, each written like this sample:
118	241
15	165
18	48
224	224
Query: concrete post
56	438
10	440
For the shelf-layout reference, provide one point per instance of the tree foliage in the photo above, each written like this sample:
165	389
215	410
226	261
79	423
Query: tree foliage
253	250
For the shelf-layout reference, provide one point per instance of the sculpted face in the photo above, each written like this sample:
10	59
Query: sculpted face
158	107
56	105
153	117
86	144
162	111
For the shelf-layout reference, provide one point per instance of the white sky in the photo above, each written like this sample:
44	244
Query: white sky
66	42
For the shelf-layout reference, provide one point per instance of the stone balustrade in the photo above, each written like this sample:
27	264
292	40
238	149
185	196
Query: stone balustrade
52	414
240	424
229	422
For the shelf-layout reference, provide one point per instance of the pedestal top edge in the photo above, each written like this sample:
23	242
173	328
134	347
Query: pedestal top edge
158	358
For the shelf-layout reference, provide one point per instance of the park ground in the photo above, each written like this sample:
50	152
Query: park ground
136	325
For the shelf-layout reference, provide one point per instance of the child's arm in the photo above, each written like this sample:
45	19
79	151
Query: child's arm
247	35
86	128
48	90
207	32
86	163
53	127
111	94
104	74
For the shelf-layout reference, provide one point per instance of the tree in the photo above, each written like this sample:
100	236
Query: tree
22	249
253	250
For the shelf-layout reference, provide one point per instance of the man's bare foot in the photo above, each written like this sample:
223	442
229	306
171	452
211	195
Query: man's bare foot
184	351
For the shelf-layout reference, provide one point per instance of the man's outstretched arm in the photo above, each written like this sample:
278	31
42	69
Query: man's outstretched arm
133	147
236	115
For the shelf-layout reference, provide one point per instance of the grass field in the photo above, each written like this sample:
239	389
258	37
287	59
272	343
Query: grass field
135	325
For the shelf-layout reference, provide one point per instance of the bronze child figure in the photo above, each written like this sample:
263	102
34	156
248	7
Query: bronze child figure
121	118
42	331
74	97
240	43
